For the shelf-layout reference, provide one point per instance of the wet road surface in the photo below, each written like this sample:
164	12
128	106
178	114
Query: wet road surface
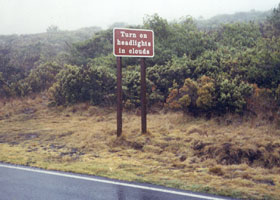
23	183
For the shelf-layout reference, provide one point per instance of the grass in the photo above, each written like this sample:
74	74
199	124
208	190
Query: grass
223	156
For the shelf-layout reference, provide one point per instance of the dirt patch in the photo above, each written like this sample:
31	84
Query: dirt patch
28	111
69	133
267	182
217	171
266	156
16	138
72	152
123	142
63	151
56	146
199	131
29	136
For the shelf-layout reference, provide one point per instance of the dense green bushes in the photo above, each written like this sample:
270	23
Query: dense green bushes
101	44
209	95
39	79
76	84
238	35
232	95
216	71
174	71
177	39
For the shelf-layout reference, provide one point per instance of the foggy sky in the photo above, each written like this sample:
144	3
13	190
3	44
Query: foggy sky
34	16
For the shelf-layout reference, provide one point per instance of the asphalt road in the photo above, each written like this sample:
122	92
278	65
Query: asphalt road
23	183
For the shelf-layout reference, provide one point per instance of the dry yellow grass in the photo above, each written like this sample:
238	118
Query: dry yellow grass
223	155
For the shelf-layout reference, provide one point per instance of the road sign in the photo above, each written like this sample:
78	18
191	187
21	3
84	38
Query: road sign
133	42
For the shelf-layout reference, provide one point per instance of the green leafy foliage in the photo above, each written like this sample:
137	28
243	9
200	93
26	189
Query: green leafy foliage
263	67
39	79
232	94
132	89
176	39
238	35
9	74
76	84
206	94
199	70
262	102
100	45
175	71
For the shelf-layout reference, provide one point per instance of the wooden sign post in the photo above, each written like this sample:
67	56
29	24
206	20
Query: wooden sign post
119	96
143	97
132	43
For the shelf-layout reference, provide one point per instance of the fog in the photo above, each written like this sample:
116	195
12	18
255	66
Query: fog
34	16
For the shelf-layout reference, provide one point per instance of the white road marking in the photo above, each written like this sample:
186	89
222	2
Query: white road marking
109	182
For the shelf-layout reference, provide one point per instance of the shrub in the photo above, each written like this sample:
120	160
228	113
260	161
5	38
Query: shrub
207	94
263	101
132	89
75	84
238	35
39	79
232	94
5	89
263	63
193	96
188	93
174	71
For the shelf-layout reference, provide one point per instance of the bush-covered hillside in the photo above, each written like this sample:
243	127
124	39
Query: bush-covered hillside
233	67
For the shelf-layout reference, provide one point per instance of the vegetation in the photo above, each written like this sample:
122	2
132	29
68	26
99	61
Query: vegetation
76	84
231	156
232	58
202	69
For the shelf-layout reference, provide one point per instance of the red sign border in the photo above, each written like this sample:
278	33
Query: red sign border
144	56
